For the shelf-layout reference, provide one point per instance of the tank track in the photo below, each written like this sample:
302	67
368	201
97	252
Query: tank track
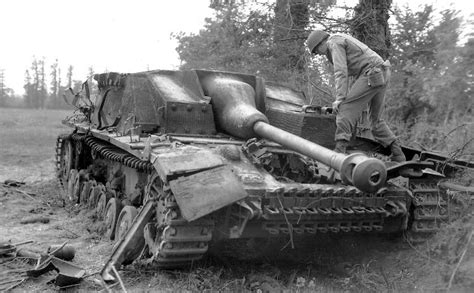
113	153
323	209
179	242
430	210
59	154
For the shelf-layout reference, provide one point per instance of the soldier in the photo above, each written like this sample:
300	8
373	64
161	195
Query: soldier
352	58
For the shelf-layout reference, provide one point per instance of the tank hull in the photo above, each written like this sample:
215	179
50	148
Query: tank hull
169	182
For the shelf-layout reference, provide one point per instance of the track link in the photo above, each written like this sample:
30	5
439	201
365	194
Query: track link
59	157
307	208
173	241
430	210
114	153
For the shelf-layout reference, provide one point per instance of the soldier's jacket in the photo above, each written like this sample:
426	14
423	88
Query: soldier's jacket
350	58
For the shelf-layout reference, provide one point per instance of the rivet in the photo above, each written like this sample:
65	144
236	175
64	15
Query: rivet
189	108
172	231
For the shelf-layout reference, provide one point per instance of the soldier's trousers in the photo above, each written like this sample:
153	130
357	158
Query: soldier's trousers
360	95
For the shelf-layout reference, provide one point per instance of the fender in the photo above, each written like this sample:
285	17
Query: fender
185	160
202	193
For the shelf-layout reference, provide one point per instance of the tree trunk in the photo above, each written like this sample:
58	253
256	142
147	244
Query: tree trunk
370	25
289	32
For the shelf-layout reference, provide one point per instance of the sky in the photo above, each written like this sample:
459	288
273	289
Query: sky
123	36
108	35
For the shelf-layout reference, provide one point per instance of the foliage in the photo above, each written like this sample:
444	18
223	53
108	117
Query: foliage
266	39
430	100
370	25
4	91
233	40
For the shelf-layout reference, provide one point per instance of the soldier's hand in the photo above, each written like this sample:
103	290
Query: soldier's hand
335	106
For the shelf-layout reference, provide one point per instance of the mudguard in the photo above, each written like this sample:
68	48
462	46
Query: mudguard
409	169
184	160
205	192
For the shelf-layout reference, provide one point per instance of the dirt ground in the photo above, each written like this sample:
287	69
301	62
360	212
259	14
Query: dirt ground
328	263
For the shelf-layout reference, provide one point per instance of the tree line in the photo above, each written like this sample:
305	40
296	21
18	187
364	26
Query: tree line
429	103
42	88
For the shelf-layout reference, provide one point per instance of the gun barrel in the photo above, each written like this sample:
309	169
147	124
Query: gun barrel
367	174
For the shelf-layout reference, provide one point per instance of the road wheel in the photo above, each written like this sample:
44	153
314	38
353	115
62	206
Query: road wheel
112	211
101	205
66	159
124	221
73	175
86	189
94	195
78	184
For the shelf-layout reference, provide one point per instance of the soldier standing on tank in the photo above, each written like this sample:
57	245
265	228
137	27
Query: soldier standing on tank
352	58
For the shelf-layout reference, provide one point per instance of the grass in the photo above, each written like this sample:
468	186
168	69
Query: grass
29	135
27	142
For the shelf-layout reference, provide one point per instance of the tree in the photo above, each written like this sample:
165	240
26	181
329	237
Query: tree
431	94
289	32
69	76
2	88
413	55
35	85
370	25
233	40
55	81
266	39
28	87
42	92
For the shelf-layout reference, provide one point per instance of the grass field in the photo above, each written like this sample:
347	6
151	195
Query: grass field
27	142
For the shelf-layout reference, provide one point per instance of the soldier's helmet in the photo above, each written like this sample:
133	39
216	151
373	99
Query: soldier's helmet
315	38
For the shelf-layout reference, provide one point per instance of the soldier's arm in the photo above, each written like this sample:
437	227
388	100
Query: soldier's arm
339	59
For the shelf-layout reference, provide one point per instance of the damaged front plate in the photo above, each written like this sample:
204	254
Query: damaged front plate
202	193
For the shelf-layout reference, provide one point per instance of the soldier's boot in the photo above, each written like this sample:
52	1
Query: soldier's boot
397	153
341	146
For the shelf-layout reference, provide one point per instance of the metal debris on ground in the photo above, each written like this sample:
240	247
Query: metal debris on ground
64	252
32	220
12	271
68	273
8	248
13	183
